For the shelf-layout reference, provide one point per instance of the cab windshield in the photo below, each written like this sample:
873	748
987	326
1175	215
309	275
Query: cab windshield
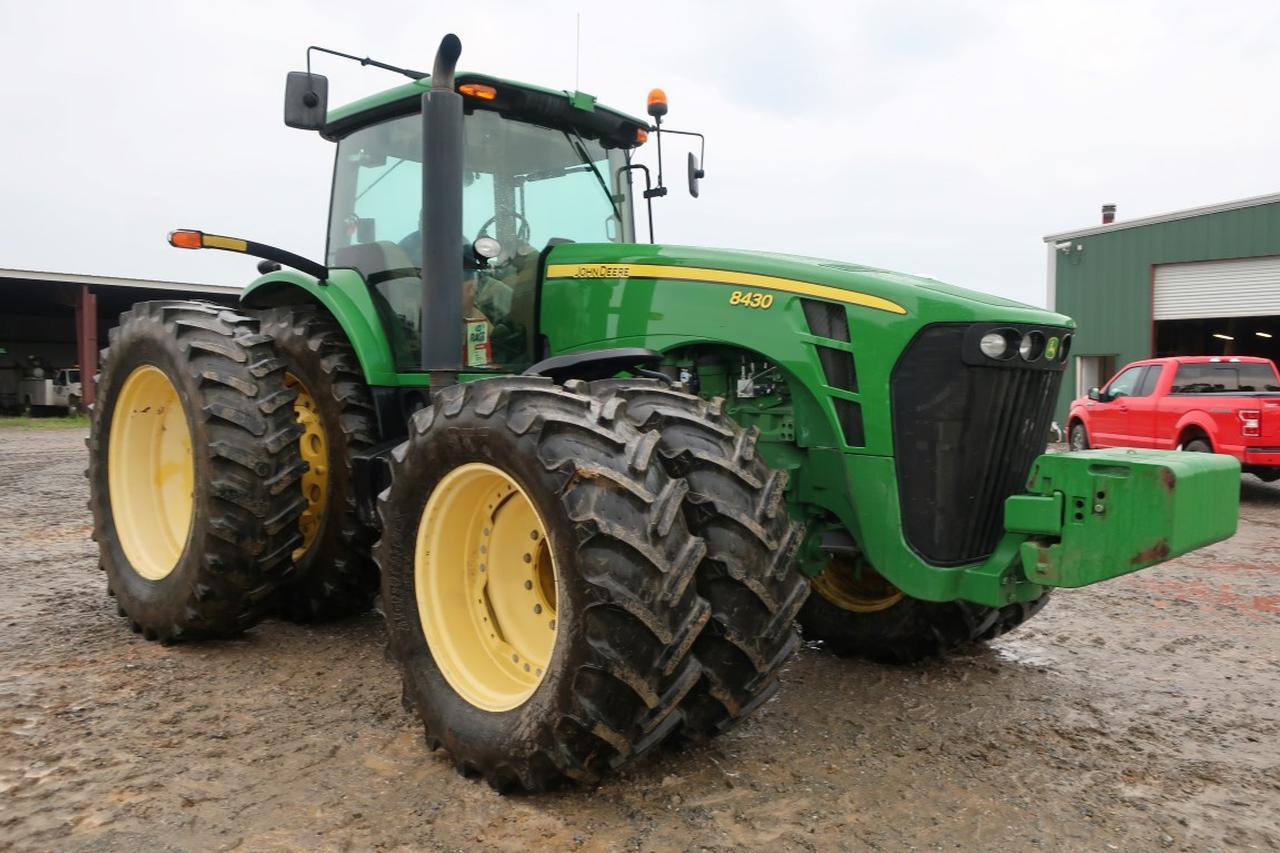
525	185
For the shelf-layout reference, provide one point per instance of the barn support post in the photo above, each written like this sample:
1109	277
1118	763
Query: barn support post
87	342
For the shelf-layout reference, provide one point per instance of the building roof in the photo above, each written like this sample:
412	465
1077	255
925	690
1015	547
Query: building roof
1255	201
110	281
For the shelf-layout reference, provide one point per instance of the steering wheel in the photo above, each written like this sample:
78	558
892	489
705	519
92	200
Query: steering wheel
522	227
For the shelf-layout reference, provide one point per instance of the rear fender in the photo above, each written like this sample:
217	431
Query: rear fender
1192	421
346	297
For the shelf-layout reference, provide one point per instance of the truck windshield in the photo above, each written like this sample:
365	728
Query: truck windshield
1217	378
525	185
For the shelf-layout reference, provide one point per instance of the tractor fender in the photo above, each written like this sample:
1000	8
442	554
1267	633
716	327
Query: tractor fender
346	297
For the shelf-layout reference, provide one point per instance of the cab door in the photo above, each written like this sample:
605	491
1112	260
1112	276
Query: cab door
1139	425
1109	422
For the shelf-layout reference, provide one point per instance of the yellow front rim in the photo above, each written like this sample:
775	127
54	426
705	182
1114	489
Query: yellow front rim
314	447
150	473
485	581
855	587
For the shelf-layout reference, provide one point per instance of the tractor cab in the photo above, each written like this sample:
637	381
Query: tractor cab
538	169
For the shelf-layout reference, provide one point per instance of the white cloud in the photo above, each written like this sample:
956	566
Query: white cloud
943	138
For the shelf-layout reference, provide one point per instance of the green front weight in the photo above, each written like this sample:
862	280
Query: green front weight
1098	514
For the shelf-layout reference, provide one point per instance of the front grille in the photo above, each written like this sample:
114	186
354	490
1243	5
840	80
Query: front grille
966	430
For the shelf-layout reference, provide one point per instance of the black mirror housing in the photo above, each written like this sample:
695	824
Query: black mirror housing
696	173
306	100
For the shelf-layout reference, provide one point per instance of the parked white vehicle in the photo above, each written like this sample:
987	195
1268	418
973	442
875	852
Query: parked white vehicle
61	391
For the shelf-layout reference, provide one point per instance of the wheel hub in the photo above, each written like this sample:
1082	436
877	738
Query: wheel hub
150	473
314	448
485	582
855	586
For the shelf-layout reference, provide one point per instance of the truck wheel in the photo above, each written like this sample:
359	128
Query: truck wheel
336	575
1198	445
537	583
1079	437
857	613
748	575
193	470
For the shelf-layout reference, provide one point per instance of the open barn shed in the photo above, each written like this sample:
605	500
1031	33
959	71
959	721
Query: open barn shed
60	320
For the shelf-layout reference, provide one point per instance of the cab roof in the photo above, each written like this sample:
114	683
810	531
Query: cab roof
1206	359
518	100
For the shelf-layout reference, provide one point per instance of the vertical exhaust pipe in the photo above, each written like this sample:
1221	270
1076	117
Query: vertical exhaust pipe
442	238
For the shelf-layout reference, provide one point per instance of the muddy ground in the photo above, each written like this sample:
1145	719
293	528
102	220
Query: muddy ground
1136	715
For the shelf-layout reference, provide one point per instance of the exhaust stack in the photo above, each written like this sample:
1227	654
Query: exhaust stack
442	239
1108	214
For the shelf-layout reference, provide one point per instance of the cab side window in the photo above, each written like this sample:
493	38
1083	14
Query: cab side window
1127	383
1148	385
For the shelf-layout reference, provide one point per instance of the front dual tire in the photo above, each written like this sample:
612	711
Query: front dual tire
857	613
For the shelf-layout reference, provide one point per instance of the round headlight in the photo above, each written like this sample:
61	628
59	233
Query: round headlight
1031	345
486	247
1064	348
994	345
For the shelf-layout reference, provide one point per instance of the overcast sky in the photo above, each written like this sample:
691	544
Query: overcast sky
928	137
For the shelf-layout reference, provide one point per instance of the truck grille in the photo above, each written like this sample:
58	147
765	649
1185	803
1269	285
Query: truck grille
966	430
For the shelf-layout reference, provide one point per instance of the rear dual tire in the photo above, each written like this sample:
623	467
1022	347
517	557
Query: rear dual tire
662	625
735	503
624	612
335	574
193	471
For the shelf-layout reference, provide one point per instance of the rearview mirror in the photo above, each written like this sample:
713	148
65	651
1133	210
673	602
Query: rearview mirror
696	173
306	100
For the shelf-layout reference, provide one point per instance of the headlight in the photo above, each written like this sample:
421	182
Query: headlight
1031	345
1064	348
994	345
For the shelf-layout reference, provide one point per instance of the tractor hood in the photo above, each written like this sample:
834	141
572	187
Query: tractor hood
916	296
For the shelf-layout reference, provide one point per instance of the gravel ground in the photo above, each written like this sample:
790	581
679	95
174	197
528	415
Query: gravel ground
1136	715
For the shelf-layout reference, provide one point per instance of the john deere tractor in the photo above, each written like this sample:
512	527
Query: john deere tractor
595	480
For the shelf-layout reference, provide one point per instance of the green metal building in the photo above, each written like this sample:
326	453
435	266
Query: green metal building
1204	281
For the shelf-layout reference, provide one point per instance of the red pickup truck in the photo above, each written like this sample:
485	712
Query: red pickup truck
1209	404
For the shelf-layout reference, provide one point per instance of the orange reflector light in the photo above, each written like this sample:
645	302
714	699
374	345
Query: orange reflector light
478	90
642	136
184	239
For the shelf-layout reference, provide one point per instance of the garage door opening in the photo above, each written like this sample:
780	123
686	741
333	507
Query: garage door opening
1229	307
1258	336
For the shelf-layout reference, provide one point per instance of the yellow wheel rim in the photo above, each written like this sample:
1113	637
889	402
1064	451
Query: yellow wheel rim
485	581
150	473
314	447
855	587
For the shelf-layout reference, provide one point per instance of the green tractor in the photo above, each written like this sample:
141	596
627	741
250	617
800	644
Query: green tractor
593	480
